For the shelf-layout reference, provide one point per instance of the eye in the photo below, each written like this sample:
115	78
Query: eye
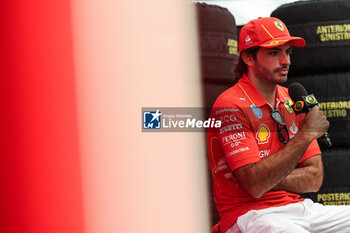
273	53
289	52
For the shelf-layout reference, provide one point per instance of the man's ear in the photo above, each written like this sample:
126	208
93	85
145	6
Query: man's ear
248	58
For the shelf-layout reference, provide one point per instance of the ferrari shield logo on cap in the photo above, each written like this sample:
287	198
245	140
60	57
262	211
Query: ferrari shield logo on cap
279	25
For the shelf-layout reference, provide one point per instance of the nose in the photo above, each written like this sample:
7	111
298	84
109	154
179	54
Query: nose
285	59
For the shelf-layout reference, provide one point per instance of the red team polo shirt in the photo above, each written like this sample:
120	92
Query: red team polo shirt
247	135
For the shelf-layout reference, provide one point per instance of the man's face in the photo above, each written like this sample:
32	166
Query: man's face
272	64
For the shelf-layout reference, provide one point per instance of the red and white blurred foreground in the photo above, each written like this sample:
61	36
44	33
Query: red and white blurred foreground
74	77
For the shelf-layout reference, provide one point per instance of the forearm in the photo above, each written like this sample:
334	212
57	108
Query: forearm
271	171
261	177
303	179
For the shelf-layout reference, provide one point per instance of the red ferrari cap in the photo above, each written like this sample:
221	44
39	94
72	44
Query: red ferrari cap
266	32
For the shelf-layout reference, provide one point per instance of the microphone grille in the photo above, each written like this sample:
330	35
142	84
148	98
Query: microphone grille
296	91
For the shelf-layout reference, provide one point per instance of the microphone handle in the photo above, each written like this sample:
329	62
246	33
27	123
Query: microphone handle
325	137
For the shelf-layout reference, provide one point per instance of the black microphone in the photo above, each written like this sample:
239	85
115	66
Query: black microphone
303	103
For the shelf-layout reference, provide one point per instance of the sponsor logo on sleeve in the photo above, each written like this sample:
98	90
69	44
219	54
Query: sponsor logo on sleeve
238	151
226	110
230	128
228	118
263	134
257	111
234	139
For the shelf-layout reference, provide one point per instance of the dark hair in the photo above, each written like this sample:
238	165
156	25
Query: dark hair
240	67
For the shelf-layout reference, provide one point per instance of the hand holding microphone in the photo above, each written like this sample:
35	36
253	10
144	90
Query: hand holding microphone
314	121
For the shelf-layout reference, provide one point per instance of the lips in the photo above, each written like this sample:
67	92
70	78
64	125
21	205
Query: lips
282	71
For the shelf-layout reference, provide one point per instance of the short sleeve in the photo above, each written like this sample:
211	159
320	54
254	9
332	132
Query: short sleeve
236	136
312	150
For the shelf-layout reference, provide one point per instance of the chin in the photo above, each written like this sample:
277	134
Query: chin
282	79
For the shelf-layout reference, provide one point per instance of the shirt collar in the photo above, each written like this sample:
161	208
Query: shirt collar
254	95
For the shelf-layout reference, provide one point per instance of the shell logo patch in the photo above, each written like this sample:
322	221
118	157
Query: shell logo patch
263	134
279	25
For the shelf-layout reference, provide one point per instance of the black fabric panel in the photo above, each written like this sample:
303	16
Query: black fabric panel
213	18
325	25
332	91
323	34
217	70
217	33
336	164
316	60
331	196
313	11
218	44
335	189
212	91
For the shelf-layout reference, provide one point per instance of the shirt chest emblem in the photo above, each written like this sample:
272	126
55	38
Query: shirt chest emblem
293	128
263	134
289	105
257	111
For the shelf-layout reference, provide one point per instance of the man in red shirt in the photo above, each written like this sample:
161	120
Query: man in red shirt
272	152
